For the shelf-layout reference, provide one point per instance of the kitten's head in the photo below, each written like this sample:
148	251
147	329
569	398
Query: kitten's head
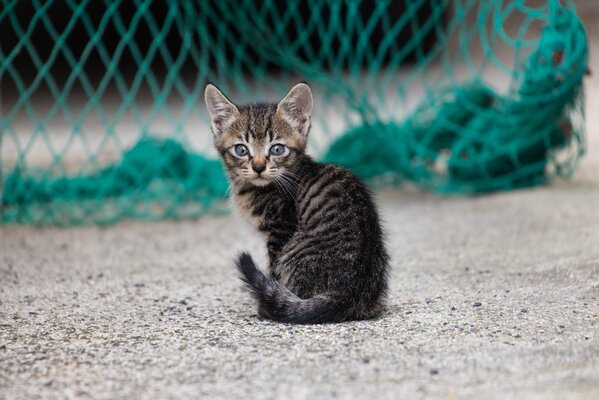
260	143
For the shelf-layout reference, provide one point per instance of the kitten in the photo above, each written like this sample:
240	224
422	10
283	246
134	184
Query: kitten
328	262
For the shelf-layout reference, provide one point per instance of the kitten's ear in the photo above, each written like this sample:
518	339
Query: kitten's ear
222	111
296	107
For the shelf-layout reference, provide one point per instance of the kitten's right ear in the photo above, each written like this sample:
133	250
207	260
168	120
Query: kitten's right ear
296	107
222	111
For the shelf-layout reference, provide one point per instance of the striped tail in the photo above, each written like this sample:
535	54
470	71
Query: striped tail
278	303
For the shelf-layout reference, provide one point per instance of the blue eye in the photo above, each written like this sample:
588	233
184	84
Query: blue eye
241	150
277	150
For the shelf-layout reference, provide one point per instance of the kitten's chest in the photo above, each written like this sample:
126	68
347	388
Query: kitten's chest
265	209
245	205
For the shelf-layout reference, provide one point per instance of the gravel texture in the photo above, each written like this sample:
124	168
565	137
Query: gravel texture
494	297
497	295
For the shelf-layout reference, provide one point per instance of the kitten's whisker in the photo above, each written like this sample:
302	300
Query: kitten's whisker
293	184
284	190
291	174
281	186
292	189
292	178
233	188
284	187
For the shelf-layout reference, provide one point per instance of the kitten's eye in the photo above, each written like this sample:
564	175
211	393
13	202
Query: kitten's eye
277	150
241	150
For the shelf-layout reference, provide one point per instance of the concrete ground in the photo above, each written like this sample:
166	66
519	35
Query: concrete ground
495	297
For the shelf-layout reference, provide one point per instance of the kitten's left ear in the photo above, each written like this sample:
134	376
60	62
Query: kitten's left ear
296	107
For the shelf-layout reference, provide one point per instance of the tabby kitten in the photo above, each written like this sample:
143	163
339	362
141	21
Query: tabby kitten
328	262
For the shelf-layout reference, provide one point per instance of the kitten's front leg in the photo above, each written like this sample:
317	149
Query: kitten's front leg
278	221
279	234
275	216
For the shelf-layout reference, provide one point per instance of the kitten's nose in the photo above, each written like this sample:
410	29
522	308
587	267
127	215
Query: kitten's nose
259	168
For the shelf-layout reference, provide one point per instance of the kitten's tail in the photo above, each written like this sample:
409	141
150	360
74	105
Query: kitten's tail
278	303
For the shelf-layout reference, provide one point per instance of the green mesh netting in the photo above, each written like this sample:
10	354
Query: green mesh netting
102	114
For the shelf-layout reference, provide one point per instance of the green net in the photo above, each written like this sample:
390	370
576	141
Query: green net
102	114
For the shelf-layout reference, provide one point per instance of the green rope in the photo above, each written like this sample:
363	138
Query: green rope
468	139
366	62
149	171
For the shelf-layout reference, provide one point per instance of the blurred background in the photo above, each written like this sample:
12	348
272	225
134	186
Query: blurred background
103	116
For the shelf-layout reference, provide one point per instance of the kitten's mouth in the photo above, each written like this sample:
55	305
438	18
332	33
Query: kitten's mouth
260	181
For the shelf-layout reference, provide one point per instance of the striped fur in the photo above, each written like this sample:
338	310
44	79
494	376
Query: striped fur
328	261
